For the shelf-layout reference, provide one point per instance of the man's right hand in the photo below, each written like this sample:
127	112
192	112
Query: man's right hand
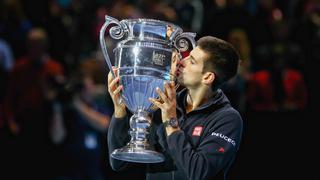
114	90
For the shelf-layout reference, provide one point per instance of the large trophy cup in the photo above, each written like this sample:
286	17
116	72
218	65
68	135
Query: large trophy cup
143	56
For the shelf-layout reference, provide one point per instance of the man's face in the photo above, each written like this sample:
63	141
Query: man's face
190	70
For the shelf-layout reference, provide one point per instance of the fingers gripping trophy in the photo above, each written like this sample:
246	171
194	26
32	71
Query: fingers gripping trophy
143	57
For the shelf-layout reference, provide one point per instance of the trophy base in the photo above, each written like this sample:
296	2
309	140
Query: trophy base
137	155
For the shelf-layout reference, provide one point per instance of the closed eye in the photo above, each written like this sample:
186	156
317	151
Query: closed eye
192	61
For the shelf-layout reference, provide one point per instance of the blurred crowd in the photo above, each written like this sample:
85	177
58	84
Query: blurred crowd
54	107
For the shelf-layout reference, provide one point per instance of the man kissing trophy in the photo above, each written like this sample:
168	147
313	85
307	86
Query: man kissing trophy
143	57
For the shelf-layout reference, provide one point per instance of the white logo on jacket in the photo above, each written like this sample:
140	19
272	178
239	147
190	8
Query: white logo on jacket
226	138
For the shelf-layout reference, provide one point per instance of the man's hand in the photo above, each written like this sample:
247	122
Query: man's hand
114	91
167	103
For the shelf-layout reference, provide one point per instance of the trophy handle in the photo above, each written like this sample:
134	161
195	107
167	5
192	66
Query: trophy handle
184	40
116	32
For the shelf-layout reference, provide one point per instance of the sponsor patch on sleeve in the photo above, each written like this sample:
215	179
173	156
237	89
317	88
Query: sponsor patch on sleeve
224	137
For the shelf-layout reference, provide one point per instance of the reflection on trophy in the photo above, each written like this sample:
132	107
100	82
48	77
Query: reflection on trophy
143	58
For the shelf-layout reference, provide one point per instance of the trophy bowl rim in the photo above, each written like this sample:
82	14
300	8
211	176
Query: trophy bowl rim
152	20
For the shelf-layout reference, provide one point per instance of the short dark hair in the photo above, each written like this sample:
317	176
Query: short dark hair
223	59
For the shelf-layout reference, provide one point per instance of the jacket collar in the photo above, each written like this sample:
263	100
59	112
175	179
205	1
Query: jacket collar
218	99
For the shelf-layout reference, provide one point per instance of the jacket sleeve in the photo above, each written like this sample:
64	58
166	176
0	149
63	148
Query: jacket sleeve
215	152
118	137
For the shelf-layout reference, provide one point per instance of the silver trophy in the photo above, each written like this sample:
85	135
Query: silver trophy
144	58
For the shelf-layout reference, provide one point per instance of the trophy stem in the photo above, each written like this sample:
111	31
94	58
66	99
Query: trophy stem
138	149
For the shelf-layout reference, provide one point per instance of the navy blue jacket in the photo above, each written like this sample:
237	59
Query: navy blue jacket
205	148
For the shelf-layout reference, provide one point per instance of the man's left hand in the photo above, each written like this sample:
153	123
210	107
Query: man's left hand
167	103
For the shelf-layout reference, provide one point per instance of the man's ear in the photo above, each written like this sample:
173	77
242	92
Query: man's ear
208	78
